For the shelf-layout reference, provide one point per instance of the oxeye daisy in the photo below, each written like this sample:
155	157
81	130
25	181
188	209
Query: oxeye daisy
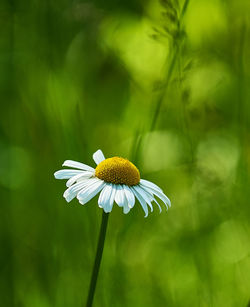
117	179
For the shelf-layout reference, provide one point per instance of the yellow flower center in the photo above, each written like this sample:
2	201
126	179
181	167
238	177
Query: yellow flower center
118	171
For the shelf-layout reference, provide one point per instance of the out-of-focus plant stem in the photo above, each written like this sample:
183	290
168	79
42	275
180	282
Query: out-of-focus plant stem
160	98
169	71
242	120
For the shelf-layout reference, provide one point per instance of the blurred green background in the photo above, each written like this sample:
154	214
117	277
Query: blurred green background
165	84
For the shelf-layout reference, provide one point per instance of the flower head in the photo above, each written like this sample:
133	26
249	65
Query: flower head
117	179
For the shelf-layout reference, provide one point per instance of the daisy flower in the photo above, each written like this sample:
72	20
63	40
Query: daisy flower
117	179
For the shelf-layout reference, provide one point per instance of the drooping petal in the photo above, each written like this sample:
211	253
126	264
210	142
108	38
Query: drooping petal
141	201
160	195
78	165
72	191
154	188
129	195
120	196
101	197
150	185
98	156
77	178
126	207
112	197
90	191
66	173
104	198
151	197
144	195
90	182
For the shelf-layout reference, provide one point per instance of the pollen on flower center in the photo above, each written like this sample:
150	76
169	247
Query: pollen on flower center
118	171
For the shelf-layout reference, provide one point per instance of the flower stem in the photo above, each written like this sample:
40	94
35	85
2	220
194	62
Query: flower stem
98	258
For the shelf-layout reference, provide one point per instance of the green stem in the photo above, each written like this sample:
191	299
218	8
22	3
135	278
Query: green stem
98	258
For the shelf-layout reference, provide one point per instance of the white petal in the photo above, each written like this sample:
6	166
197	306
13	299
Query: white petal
66	173
104	199
129	195
101	197
112	198
71	192
77	178
90	182
98	156
126	207
82	183
151	197
108	198
89	192
150	185
120	196
78	165
158	205
144	195
142	201
161	195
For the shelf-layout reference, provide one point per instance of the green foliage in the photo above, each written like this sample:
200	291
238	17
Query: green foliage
163	83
